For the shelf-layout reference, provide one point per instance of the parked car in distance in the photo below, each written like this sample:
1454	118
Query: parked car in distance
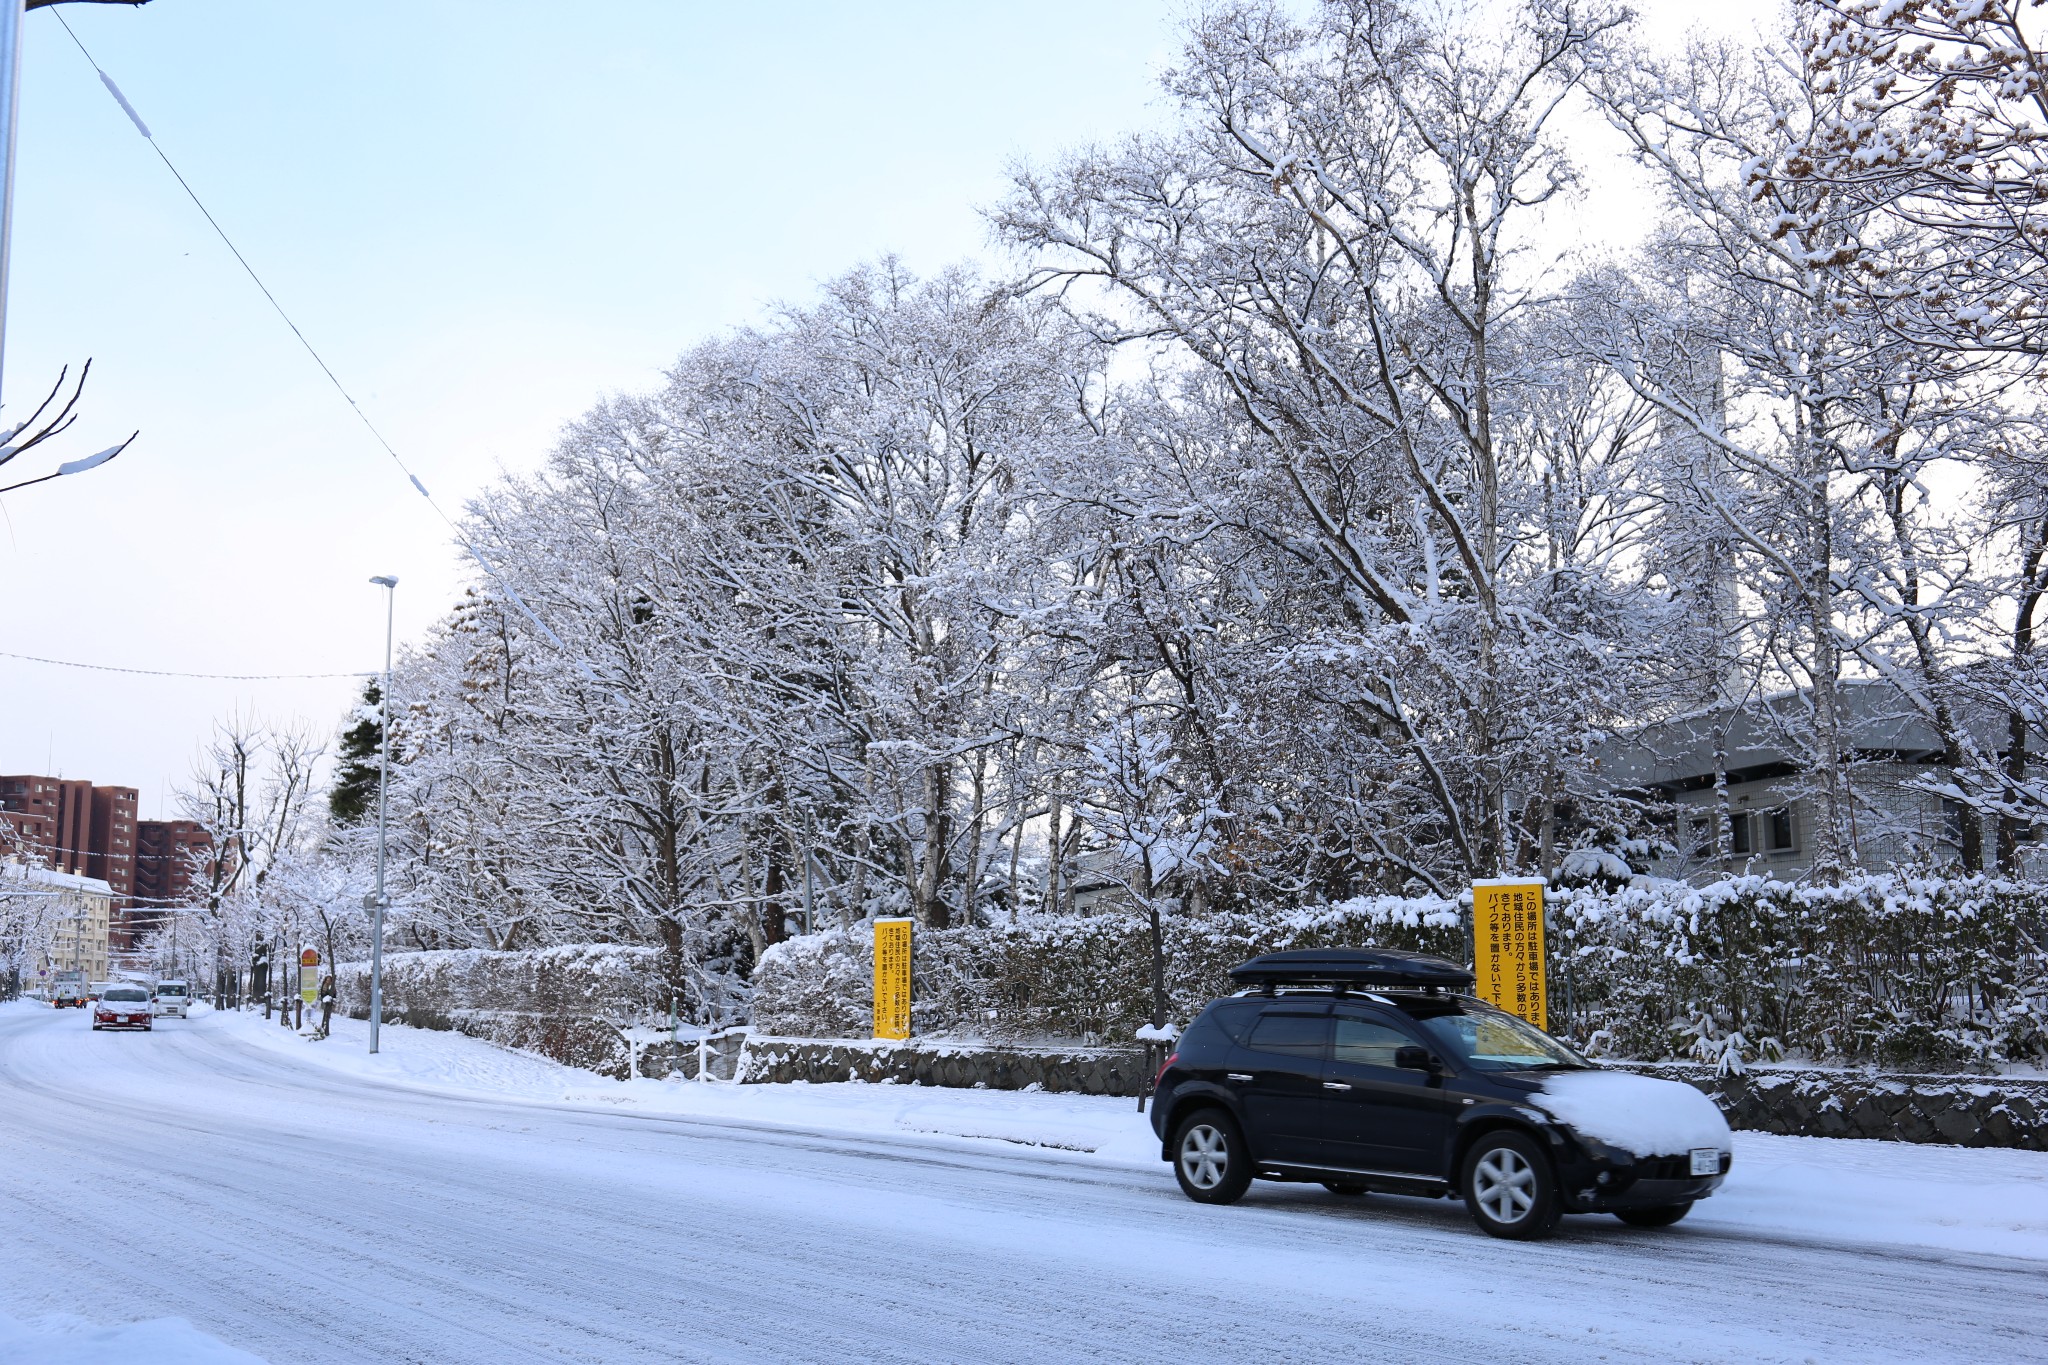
173	998
1371	1070
123	1006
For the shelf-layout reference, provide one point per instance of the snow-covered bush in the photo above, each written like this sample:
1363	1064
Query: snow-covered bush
1898	970
1895	969
619	982
1072	978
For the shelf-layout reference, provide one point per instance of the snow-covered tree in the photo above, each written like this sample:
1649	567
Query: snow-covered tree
1341	235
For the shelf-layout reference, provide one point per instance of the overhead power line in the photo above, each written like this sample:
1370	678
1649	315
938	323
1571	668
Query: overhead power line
173	673
482	560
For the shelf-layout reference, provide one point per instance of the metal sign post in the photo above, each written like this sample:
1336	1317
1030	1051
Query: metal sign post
381	901
1507	947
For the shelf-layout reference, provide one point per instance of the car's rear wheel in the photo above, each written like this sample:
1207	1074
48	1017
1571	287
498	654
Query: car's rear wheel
1209	1158
1662	1216
1350	1189
1510	1188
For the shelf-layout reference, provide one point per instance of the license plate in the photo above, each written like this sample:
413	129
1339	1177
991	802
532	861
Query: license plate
1706	1161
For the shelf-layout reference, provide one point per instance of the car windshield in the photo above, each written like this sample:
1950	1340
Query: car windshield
170	990
125	993
1487	1039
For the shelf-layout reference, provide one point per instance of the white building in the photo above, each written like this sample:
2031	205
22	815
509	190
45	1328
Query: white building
60	920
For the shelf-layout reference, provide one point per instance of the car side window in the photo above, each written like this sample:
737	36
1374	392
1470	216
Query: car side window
1365	1043
1295	1035
1235	1018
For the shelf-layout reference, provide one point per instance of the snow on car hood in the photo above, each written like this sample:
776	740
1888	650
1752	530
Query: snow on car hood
1639	1114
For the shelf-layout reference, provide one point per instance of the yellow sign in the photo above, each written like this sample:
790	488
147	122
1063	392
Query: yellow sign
309	984
892	978
1507	947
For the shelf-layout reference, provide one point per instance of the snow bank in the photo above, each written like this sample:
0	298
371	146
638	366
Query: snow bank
451	1063
1638	1114
428	1059
65	1340
1990	1201
1829	1189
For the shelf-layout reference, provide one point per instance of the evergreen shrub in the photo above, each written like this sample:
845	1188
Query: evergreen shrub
1891	969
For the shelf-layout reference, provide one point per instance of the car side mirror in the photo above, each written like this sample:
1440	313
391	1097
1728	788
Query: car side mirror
1413	1059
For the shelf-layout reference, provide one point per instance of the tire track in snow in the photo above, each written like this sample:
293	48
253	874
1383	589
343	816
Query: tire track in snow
457	1228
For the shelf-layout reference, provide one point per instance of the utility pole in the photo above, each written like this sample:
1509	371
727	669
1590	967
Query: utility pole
390	586
10	117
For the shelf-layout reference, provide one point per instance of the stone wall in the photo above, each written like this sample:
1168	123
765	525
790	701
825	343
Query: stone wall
1083	1071
593	1007
1965	1111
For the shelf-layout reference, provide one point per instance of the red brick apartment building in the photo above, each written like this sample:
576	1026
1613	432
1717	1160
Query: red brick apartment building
76	827
170	868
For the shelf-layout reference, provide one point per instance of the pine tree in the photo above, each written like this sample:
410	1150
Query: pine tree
354	794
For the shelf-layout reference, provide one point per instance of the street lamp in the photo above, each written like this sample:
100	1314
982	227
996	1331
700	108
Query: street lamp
390	585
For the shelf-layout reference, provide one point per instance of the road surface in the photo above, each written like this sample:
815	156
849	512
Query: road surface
304	1214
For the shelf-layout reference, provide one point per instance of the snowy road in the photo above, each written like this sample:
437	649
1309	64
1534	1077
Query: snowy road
298	1212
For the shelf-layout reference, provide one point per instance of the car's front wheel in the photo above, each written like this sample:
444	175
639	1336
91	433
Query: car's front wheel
1662	1216
1510	1188
1209	1158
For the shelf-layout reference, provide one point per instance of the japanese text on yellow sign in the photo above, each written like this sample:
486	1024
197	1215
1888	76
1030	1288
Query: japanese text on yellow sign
309	984
892	978
1507	947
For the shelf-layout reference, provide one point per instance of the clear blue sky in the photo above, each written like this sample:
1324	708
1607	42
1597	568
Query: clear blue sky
487	215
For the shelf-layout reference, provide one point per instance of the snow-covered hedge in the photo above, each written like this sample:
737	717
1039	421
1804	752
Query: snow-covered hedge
1893	969
569	1003
1890	969
615	981
1083	978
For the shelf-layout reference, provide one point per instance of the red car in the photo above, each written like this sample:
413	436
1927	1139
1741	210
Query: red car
123	1007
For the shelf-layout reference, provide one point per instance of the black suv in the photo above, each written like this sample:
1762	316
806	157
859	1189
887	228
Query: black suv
1370	1069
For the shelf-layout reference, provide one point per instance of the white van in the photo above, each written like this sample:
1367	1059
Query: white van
172	997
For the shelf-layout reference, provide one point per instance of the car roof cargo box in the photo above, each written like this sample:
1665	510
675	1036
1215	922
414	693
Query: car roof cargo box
1364	968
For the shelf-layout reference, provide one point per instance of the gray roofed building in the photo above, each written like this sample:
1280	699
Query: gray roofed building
1738	779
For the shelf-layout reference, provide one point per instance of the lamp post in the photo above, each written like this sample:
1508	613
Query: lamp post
10	117
390	585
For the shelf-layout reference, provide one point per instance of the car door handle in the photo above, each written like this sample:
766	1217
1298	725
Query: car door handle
1237	1075
1336	1085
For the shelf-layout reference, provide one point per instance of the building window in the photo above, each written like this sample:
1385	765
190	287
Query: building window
1778	829
1738	831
